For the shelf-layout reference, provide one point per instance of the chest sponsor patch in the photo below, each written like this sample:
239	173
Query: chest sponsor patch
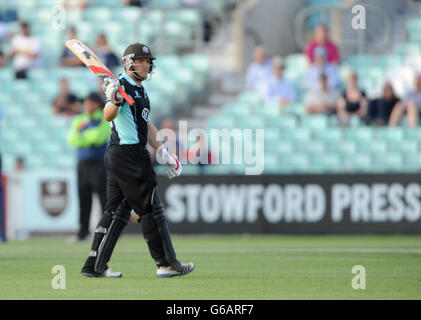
145	114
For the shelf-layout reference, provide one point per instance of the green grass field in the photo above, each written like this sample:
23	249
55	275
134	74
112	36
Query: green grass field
227	267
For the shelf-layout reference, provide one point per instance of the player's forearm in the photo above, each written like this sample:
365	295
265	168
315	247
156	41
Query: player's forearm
154	138
110	112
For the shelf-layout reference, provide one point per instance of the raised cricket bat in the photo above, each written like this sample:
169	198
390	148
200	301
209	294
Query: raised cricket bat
90	59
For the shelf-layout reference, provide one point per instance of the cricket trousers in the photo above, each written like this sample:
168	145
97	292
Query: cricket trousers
91	179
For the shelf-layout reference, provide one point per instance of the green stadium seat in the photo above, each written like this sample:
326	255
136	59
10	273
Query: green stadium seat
395	134
247	122
389	61
407	49
252	98
359	163
270	109
364	135
220	122
315	122
285	148
361	61
236	109
414	25
271	163
272	137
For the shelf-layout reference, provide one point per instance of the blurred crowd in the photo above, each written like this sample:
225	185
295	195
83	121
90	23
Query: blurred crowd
324	92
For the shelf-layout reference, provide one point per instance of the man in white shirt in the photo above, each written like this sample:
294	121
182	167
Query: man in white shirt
259	70
322	100
319	67
25	51
276	88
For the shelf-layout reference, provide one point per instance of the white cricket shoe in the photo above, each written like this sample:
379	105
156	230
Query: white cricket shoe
108	273
168	272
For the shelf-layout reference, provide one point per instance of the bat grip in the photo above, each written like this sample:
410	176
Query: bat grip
125	96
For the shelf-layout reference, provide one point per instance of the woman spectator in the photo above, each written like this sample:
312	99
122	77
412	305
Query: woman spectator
353	101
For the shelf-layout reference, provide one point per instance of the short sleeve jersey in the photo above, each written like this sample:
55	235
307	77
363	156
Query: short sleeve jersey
130	126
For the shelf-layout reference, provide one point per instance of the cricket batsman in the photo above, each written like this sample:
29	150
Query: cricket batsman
131	180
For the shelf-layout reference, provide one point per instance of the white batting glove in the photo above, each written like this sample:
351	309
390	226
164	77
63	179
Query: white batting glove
171	161
110	87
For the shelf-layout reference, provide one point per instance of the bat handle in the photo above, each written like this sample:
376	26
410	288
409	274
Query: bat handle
125	96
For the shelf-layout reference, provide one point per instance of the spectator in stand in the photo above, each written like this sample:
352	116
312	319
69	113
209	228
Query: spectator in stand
410	105
76	4
2	59
323	100
68	59
66	103
319	67
19	164
276	88
321	39
259	70
5	33
104	52
25	51
135	3
379	110
353	101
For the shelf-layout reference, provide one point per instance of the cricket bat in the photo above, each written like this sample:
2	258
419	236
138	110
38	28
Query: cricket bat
90	59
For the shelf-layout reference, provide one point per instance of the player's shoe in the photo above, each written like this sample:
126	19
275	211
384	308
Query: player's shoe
168	272
108	273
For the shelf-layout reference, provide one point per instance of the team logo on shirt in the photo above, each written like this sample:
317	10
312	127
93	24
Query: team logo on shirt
145	114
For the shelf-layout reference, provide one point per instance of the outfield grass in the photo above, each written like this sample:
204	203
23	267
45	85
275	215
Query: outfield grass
227	267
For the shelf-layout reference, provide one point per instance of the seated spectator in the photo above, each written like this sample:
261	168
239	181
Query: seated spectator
409	105
76	4
321	39
68	59
353	101
379	110
25	51
5	33
276	88
259	70
319	67
2	59
104	52
19	164
66	103
135	3
323	100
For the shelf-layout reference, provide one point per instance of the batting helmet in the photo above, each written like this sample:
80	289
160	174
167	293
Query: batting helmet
135	51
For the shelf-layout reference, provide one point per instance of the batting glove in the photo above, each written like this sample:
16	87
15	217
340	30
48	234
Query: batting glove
171	161
110	87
